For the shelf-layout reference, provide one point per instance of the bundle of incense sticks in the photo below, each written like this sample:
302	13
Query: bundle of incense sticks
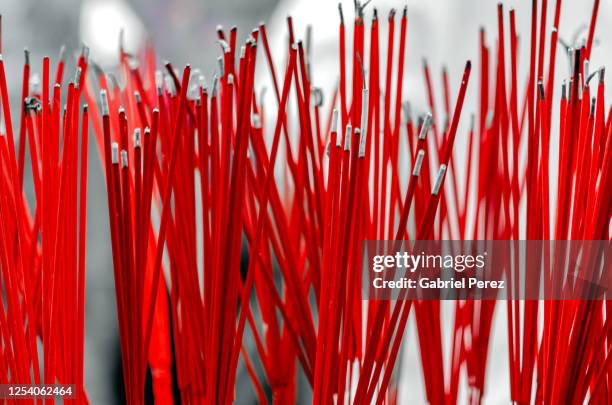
196	176
42	252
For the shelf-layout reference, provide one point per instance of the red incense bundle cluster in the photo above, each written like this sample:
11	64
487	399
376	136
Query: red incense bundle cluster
192	176
42	246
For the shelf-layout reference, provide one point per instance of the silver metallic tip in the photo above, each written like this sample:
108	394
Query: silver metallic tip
256	121
214	85
364	112
439	180
347	138
124	159
103	102
62	53
115	153
362	142
137	138
334	123
418	163
407	109
77	77
426	126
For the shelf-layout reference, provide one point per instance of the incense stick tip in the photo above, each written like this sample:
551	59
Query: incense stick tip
362	143
77	77
426	126
439	180
62	53
364	108
137	138
103	102
159	82
347	137
418	163
214	85
122	40
220	65
489	119
84	51
407	109
224	45
317	96
256	121
124	159
564	90
334	123
114	153
170	85
26	55
541	89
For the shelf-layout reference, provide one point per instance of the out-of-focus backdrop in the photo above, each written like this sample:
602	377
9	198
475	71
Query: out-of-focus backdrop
183	31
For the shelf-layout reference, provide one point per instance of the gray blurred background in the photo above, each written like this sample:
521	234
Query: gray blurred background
183	31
